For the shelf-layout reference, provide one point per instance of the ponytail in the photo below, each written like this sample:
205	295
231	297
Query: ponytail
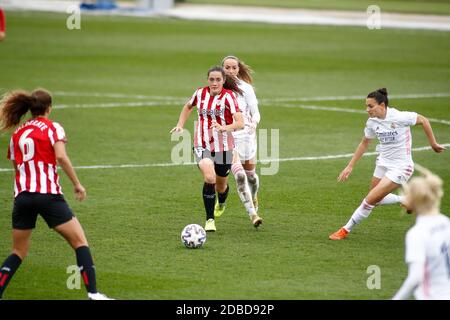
16	104
380	96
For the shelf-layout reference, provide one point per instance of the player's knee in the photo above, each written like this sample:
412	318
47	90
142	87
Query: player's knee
210	178
240	177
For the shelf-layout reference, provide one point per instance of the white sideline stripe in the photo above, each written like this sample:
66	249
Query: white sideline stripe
113	95
171	164
115	105
337	109
356	97
317	98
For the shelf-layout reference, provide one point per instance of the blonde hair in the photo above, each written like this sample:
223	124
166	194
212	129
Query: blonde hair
245	71
423	194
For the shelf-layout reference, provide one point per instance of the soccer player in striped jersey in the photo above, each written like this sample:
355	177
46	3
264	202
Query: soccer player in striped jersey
244	164
35	149
218	116
394	165
427	251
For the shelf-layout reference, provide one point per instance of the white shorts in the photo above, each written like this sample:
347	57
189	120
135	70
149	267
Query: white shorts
398	173
246	146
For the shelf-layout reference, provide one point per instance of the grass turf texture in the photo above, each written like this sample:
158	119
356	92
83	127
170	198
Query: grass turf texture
133	217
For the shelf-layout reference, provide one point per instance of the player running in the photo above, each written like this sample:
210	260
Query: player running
427	242
218	116
35	149
394	165
244	160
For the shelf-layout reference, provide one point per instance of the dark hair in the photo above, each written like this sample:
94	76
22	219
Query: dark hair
16	104
380	95
230	82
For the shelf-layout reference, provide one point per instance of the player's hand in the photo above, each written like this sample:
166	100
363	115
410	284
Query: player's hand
80	192
176	129
438	148
217	126
251	127
345	173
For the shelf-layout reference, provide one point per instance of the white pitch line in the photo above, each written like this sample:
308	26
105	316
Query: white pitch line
115	105
338	109
268	100
358	97
113	95
263	161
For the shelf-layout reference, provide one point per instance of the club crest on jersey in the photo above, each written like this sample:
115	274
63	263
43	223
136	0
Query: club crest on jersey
392	125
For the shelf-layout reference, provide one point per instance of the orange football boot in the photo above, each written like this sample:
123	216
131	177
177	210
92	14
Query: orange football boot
339	235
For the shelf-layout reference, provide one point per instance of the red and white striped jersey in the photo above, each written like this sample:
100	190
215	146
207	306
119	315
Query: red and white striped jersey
220	108
31	147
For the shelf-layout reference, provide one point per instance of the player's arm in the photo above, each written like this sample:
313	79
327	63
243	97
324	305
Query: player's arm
63	160
184	115
421	120
237	124
415	273
14	164
252	103
360	150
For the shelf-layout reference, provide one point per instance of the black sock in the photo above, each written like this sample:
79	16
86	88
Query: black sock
87	268
7	270
223	196
209	199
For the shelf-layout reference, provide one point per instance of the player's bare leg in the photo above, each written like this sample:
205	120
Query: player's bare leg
380	190
73	232
21	244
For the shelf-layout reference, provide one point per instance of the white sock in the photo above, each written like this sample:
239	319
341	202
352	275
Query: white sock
390	199
361	213
243	188
253	182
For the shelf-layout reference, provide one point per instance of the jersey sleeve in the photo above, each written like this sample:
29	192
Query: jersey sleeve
231	103
193	100
415	247
369	133
407	118
10	155
2	21
56	133
252	103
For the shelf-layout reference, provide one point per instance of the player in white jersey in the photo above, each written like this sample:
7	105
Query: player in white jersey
394	164
244	160
427	242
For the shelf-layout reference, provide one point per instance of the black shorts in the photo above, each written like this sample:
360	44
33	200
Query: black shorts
52	207
222	160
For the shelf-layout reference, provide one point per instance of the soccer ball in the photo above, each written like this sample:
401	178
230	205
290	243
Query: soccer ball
193	236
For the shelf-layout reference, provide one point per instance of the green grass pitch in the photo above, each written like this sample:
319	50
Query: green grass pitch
133	216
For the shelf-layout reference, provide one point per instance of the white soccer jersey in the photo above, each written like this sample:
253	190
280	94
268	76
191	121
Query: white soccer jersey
248	104
394	135
428	242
